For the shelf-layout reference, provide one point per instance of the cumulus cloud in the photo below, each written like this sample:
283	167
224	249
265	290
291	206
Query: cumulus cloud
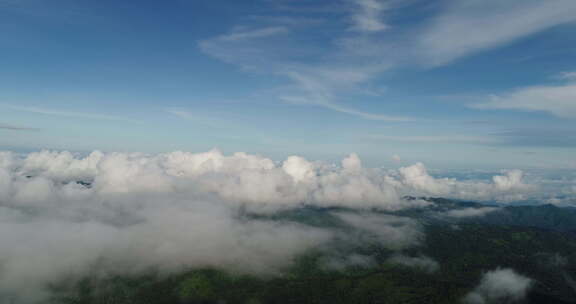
64	215
416	177
512	180
507	187
499	285
253	181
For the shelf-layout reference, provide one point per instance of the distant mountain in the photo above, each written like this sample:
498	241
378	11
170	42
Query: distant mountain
545	216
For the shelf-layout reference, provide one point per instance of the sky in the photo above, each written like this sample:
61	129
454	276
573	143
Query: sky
453	84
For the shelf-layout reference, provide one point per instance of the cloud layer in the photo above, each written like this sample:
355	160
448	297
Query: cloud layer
64	215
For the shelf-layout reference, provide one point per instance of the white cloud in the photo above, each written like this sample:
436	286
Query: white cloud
512	179
504	188
416	177
258	182
368	15
499	285
559	100
468	27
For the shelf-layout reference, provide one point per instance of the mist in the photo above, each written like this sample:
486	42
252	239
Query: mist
500	285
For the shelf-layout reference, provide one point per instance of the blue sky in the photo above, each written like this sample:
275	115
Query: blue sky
476	83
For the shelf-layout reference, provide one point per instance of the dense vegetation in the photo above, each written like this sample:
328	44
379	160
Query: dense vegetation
464	250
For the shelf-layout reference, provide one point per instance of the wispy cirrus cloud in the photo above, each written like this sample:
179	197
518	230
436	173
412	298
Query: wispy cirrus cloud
462	139
180	113
72	114
318	73
16	128
569	75
366	115
558	100
254	34
329	63
320	85
463	28
537	137
199	118
534	137
368	16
